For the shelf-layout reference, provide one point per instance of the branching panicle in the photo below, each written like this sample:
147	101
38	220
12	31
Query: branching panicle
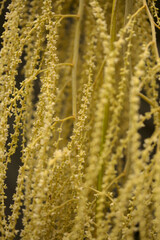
73	75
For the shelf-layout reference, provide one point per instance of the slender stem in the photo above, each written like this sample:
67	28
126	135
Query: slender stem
137	12
105	126
146	99
63	204
65	119
152	29
99	72
95	190
113	22
115	180
156	25
106	115
67	15
75	58
64	64
128	9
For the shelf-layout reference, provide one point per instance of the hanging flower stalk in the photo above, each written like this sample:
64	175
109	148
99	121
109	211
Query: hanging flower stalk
86	172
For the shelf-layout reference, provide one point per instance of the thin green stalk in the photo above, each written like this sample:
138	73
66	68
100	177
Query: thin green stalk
152	29
106	115
105	126
75	58
146	99
128	11
113	22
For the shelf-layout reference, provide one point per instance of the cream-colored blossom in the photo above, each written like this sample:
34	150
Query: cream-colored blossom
73	75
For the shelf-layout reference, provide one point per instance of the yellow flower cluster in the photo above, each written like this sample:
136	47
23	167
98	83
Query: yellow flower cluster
73	75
